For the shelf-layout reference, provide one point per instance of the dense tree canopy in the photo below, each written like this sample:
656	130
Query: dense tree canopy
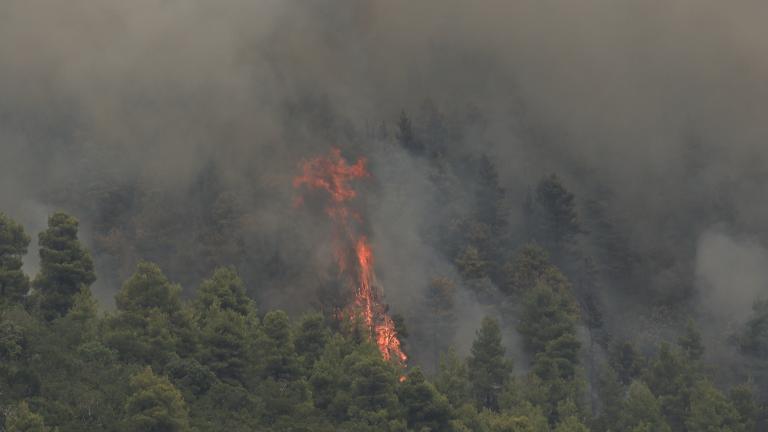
171	358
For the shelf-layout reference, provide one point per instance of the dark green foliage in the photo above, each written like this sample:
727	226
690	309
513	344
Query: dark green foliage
743	400
489	369
626	361
311	337
22	419
548	327
611	394
671	377
549	312
354	386
276	348
372	385
150	326
642	411
226	290
425	406
148	290
160	362
224	315
155	405
710	410
14	284
224	344
65	266
452	379
471	264
524	271
190	377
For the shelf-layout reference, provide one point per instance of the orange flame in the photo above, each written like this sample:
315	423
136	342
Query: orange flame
352	251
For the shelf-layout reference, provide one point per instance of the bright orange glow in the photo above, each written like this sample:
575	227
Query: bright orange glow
352	251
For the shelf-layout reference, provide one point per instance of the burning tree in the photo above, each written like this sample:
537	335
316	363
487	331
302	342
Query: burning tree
333	175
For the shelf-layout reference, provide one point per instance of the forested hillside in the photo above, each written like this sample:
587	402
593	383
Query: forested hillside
383	215
209	359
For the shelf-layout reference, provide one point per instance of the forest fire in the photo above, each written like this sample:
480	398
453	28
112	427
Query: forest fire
352	250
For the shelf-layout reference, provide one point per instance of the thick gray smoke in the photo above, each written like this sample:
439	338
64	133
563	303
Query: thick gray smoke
662	103
733	273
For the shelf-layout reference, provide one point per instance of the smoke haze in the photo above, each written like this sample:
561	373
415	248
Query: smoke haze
661	103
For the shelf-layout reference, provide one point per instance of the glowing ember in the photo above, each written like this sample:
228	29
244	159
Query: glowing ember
353	253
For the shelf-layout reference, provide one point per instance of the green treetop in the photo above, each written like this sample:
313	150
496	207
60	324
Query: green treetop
155	405
225	288
65	266
146	290
489	370
642	411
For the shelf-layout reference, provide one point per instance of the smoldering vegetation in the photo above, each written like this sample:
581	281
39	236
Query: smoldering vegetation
172	131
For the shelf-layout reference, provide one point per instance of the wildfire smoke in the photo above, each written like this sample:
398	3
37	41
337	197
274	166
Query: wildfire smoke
333	175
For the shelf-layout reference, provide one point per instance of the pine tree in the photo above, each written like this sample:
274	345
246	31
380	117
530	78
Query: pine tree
612	397
671	377
151	325
277	349
155	405
471	264
452	379
642	411
425	407
227	290
524	271
148	289
80	324
556	219
224	347
329	379
65	266
549	312
711	411
626	361
489	370
743	400
372	387
14	284
311	338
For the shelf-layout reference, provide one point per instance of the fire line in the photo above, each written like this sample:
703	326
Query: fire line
333	175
